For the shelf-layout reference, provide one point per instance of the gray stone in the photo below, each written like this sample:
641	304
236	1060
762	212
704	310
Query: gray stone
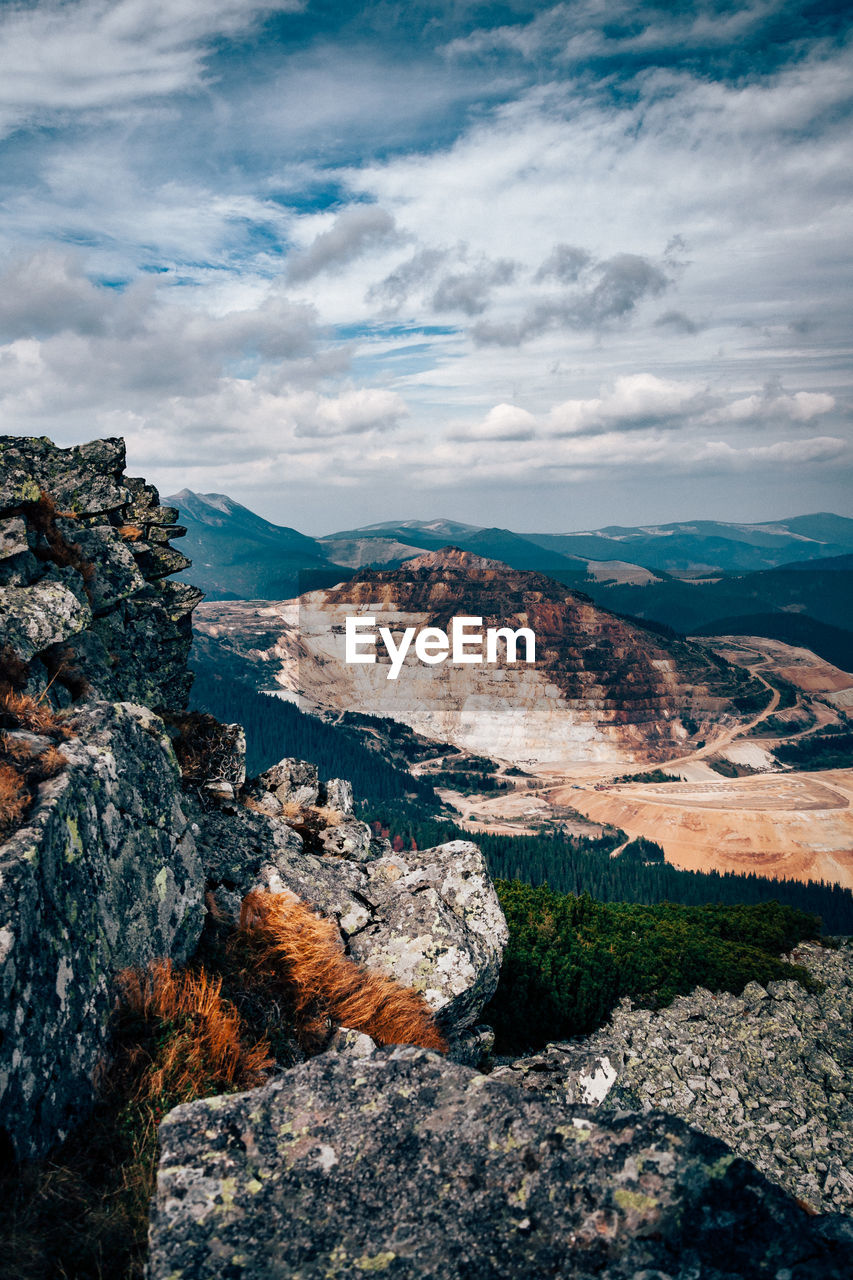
116	576
349	839
429	919
103	875
337	794
292	782
49	612
13	537
136	644
400	1162
84	479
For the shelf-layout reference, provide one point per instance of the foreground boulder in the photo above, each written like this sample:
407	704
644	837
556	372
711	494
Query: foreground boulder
403	1164
102	875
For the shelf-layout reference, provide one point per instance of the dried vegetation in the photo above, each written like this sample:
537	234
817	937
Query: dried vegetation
259	997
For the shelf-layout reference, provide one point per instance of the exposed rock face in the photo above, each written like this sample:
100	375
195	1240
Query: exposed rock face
103	875
429	919
600	689
401	1163
770	1072
112	615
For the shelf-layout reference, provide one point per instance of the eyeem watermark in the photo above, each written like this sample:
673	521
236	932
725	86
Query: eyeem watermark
464	644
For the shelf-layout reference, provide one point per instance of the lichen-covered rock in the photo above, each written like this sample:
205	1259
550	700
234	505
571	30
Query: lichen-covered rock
349	839
95	598
292	782
86	479
401	1163
337	794
103	875
437	927
429	919
46	613
769	1072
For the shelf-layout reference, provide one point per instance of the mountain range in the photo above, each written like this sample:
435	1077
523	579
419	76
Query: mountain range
790	579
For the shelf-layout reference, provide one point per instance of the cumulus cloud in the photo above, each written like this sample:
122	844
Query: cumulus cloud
636	401
353	412
774	403
470	291
356	231
564	263
47	292
408	278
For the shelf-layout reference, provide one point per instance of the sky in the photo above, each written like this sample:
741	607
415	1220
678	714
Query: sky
547	267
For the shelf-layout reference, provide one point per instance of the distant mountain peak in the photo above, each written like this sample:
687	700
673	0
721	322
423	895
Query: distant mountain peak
452	558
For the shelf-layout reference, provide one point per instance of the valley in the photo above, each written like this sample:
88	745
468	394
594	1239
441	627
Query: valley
614	694
778	824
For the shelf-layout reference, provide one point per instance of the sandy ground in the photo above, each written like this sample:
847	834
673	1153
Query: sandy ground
778	824
798	824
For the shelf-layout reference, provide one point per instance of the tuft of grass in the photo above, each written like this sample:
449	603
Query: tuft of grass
131	532
198	1047
20	711
181	1034
290	949
23	768
82	1214
13	799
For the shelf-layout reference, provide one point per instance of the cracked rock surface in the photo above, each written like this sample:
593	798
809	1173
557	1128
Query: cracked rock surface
103	874
401	1163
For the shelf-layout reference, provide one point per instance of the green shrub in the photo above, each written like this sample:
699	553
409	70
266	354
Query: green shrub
570	959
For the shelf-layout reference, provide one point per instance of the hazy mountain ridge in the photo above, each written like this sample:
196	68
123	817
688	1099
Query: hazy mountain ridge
802	565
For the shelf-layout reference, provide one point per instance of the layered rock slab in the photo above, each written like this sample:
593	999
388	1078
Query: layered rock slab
103	875
105	609
404	1164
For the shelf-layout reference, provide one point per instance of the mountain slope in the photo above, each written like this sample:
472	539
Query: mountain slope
239	555
601	688
710	544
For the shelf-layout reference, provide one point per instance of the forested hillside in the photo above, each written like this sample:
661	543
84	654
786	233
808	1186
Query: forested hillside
570	959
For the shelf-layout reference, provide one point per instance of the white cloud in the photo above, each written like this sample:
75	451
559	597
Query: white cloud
84	54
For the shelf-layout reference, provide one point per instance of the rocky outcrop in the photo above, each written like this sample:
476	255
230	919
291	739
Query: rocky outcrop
430	918
84	551
102	875
397	1162
770	1072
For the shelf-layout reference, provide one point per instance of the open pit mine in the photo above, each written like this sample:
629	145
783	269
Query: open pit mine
601	689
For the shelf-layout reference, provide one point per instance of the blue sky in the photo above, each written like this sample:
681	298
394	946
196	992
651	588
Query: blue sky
545	266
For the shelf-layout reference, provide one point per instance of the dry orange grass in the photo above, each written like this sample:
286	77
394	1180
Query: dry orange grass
13	799
200	1048
131	532
20	711
290	947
